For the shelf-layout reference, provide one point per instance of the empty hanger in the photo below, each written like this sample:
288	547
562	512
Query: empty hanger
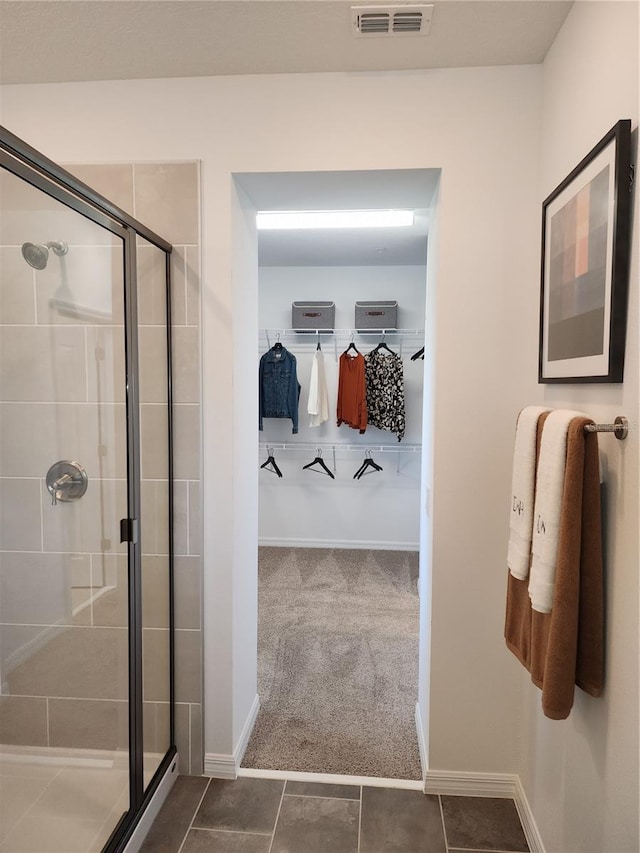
270	464
368	463
417	355
318	461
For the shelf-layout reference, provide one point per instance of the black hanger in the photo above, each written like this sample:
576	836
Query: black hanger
271	465
353	347
318	347
417	355
382	345
319	461
368	463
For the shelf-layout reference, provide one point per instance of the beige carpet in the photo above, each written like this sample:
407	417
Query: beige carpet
337	662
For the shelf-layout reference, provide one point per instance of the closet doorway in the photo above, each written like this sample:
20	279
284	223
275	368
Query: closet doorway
339	509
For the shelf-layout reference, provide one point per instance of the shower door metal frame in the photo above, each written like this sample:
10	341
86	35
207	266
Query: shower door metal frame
19	158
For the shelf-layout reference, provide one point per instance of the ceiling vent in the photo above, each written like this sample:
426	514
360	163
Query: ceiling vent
405	20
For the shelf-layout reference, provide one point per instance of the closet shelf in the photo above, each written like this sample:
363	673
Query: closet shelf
309	446
307	339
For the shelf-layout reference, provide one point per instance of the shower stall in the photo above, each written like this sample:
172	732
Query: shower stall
86	577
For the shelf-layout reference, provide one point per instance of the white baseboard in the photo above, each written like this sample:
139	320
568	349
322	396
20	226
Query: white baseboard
422	746
220	765
464	784
355	544
529	826
243	740
505	785
226	765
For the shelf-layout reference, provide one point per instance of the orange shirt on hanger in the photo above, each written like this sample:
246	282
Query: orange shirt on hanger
352	401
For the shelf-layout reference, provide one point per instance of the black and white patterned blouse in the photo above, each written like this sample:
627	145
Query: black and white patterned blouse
384	379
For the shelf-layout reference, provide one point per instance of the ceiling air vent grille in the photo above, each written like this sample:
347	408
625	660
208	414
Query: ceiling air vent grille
405	20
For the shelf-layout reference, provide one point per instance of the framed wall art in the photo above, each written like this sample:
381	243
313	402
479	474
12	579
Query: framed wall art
585	266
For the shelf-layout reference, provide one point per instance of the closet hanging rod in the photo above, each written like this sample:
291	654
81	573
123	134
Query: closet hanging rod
620	427
342	332
312	446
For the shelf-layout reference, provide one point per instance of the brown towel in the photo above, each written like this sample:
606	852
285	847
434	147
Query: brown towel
566	647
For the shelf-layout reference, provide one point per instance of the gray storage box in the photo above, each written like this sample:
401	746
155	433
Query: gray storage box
309	316
376	315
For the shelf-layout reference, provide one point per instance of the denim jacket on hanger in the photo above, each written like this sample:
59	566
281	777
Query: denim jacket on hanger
279	387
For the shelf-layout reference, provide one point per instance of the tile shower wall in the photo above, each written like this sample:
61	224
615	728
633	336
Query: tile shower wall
166	198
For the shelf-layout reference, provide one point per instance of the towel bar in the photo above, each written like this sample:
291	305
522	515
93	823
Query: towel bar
620	427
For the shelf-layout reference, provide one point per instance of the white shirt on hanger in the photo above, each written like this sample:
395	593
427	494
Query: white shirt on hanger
318	405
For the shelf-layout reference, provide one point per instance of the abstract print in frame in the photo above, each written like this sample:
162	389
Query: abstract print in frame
585	266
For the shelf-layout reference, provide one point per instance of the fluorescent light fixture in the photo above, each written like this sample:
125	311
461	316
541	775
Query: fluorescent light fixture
292	219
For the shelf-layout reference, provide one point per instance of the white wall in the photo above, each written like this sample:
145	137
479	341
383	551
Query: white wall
481	127
304	508
581	775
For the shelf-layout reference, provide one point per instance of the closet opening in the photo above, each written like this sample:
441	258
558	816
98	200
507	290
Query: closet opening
342	596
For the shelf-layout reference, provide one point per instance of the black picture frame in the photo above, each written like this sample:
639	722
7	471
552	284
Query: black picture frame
584	278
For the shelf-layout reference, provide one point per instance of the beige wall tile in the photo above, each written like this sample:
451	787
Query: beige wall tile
23	721
154	524
30	215
193	285
195	526
84	286
35	589
166	198
186	364
155	592
152	284
20	526
90	524
154	425
110	573
188	646
35	435
178	286
155	663
17	293
188	582
152	357
112	180
183	737
42	364
180	517
106	371
156	735
197	739
89	724
186	430
77	663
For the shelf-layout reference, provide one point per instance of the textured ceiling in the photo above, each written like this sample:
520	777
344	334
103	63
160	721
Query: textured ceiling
78	40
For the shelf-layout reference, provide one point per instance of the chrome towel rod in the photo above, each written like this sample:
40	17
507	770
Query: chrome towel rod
620	427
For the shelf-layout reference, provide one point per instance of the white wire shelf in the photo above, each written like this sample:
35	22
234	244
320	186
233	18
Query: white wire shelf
404	341
309	446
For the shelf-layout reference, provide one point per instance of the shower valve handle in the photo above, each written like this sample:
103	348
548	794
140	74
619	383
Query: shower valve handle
66	481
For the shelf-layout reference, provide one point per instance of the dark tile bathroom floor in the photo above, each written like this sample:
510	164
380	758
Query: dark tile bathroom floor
250	815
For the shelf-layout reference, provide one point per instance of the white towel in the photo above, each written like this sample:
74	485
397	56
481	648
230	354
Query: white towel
522	492
318	405
548	504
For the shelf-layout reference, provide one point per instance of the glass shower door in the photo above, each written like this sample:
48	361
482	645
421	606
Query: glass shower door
64	574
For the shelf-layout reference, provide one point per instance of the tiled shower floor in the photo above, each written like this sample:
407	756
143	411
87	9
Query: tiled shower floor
60	803
271	816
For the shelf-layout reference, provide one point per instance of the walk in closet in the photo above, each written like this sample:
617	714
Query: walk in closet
339	506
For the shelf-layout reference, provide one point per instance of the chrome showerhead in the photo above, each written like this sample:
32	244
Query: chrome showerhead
37	255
